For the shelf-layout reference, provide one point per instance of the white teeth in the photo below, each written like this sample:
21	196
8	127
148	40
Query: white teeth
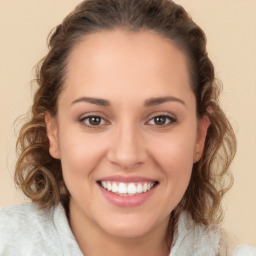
109	187
131	189
114	187
104	184
122	189
139	188
127	189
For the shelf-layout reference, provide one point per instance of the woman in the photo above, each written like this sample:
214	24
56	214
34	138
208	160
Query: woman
127	148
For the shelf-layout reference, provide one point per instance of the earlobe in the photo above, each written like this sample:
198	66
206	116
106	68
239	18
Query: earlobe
52	134
203	125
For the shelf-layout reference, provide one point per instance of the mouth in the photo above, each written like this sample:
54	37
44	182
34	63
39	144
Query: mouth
126	191
128	188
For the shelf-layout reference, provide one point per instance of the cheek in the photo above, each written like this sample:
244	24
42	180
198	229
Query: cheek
175	150
80	153
176	162
174	155
80	156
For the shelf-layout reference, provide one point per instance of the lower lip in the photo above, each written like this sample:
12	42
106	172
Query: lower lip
127	201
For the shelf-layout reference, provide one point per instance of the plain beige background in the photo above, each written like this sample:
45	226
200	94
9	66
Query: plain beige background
230	26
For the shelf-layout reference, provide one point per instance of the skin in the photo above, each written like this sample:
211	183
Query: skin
127	69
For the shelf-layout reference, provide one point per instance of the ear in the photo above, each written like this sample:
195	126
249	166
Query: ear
203	124
52	134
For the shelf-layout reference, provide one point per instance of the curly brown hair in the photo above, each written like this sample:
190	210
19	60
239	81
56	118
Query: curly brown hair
39	175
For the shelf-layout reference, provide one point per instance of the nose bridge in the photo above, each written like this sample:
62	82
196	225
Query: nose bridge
127	149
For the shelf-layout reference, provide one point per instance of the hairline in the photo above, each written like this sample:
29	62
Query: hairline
131	29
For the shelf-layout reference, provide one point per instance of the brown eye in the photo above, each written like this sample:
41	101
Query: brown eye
162	120
93	121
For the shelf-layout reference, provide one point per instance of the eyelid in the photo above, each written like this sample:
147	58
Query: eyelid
161	113
90	115
171	117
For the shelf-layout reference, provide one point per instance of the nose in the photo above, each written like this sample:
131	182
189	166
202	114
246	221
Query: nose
127	149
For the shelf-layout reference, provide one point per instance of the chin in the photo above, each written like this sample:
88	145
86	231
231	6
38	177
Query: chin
128	232
130	227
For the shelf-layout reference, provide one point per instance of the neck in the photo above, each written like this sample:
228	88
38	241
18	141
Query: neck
93	241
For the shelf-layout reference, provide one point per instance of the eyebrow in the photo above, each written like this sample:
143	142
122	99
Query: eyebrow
160	100
148	103
96	101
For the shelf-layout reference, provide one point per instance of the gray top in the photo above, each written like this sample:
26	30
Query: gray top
26	230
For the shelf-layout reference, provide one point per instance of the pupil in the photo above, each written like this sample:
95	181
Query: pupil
160	120
94	120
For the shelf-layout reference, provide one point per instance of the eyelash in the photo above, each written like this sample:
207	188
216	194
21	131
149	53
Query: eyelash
166	118
84	119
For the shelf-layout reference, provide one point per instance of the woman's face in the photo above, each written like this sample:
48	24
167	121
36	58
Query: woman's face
126	131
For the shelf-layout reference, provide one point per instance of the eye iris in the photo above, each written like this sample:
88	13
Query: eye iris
94	120
160	120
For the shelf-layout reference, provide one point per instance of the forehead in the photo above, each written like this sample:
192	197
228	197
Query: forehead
127	61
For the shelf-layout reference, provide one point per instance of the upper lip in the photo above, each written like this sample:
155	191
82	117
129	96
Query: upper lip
126	179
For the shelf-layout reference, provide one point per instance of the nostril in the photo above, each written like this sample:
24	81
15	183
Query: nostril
127	159
127	149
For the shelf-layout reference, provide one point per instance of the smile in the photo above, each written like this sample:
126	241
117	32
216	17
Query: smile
127	189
